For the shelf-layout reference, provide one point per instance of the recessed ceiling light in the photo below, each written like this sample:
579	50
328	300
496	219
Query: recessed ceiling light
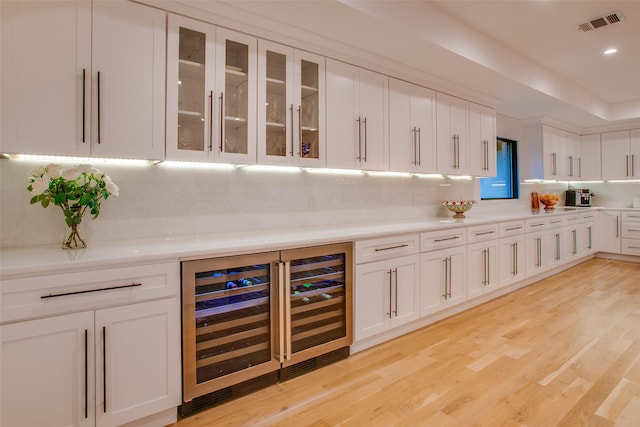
610	51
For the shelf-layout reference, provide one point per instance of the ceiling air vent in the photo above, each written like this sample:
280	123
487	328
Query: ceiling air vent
600	21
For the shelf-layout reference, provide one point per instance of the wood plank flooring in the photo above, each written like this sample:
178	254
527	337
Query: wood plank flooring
564	351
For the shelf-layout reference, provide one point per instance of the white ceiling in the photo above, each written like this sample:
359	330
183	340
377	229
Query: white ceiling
525	56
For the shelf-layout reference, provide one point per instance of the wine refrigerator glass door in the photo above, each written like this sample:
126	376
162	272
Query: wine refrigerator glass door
229	314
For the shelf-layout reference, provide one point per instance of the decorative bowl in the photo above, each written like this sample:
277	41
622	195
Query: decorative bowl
549	201
459	207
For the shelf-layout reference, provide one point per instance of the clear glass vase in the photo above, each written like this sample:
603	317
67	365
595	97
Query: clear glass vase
73	239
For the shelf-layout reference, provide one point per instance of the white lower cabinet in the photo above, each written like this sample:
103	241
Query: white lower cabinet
511	267
386	295
442	279
116	361
609	231
482	268
105	367
538	257
630	233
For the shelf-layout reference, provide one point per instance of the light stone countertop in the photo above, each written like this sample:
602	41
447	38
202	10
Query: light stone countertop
46	260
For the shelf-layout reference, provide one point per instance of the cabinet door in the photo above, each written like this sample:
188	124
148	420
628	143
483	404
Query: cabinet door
411	128
442	279
405	293
634	153
138	360
342	115
615	155
482	272
550	151
128	58
511	267
556	247
236	77
536	253
452	134
482	141
276	107
47	372
374	120
373	288
571	156
309	102
46	74
191	95
589	162
609	226
587	238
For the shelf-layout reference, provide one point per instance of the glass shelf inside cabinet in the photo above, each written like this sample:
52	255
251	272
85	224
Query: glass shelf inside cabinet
232	308
236	98
318	300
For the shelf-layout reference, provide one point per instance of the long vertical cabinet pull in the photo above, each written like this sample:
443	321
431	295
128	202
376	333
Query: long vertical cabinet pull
104	369
221	121
281	301
415	147
287	309
633	165
390	295
539	252
86	373
395	270
84	104
590	238
487	267
365	140
210	120
291	113
484	262
627	165
557	246
579	167
301	143
449	294
98	102
575	241
515	258
554	164
419	147
617	226
359	121
445	278
570	165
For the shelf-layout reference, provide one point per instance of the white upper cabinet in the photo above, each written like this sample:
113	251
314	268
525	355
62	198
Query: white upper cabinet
552	154
412	127
621	155
102	90
191	94
589	162
45	110
482	140
211	93
452	135
291	106
357	118
236	80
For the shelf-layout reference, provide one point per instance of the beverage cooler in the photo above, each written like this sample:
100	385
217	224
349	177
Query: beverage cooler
250	321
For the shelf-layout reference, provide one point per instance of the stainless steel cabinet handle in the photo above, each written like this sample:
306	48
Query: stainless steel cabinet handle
515	228
86	373
554	163
447	238
454	152
291	114
98	102
395	270
617	226
359	138
419	147
570	165
211	121
390	296
488	269
539	252
64	294
221	122
627	165
557	235
575	241
633	165
485	233
84	106
484	273
579	167
415	147
536	225
391	247
301	144
449	294
104	369
280	283
635	230
365	139
590	238
287	310
445	277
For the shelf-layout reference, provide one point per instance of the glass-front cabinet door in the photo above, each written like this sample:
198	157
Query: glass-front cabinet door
236	58
290	106
190	90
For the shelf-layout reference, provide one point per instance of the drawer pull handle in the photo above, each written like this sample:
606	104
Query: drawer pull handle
447	238
132	285
633	229
392	247
485	232
512	228
633	247
537	225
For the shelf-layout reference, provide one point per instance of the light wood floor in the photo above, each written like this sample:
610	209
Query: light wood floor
564	351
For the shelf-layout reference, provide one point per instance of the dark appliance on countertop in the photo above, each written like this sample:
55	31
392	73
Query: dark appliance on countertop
253	320
578	197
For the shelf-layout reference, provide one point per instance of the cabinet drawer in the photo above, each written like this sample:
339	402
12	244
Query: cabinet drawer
631	216
386	247
533	225
87	290
572	219
588	217
631	230
433	240
511	228
556	222
631	246
481	233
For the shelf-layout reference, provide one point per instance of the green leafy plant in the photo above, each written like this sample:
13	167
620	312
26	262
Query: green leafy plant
75	190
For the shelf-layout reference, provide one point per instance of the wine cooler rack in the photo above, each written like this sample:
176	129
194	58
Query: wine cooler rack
247	316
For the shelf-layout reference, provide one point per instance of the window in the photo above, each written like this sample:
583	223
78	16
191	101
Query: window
505	184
